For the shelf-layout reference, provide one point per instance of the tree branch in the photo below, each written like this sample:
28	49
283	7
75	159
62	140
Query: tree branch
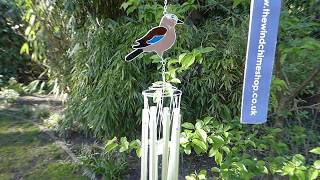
311	77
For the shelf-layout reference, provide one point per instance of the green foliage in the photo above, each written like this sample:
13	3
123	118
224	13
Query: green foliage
109	166
277	86
94	8
105	91
202	175
149	11
316	150
47	42
106	96
123	146
242	152
53	121
14	85
12	64
110	163
103	100
297	169
184	62
201	139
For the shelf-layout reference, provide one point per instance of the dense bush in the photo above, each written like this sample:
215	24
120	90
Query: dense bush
244	152
105	95
106	90
12	64
83	49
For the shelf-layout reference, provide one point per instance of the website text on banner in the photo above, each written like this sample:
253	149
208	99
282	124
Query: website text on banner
262	40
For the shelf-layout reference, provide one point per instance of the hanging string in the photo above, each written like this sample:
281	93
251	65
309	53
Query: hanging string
165	7
163	73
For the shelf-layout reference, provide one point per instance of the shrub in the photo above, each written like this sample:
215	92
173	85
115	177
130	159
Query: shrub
8	96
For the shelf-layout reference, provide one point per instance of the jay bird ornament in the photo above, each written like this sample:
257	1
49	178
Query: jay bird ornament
158	39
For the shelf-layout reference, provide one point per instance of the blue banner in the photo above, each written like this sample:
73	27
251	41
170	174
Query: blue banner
262	40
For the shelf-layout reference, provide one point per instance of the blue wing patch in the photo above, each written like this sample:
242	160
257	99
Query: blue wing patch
155	39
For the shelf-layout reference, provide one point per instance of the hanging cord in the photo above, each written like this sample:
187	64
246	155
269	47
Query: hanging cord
163	73
163	62
165	7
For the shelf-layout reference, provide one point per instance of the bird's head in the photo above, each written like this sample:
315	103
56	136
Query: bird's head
170	20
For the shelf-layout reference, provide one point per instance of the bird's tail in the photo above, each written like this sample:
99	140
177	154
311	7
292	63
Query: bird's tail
133	54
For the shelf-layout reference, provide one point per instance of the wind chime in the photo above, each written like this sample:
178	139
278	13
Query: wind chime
161	114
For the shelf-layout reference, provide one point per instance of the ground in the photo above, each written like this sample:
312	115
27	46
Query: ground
28	153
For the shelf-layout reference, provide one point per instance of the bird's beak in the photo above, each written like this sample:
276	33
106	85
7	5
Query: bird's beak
179	21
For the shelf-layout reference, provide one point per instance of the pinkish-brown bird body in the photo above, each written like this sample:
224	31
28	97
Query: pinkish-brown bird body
158	39
166	43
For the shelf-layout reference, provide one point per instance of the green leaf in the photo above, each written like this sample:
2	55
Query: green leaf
288	169
124	144
218	158
138	152
212	152
32	19
298	159
202	134
236	3
188	125
250	142
226	149
206	120
155	59
136	144
175	81
191	178
187	61
181	57
200	144
215	169
313	174
199	124
240	166
206	50
125	5
202	175
111	145
187	150
27	31
300	174
316	150
317	164
217	141
24	48
184	141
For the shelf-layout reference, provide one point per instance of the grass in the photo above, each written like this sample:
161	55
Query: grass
27	153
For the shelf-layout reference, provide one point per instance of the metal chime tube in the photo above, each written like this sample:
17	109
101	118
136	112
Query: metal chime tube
160	132
174	146
144	146
153	142
166	134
